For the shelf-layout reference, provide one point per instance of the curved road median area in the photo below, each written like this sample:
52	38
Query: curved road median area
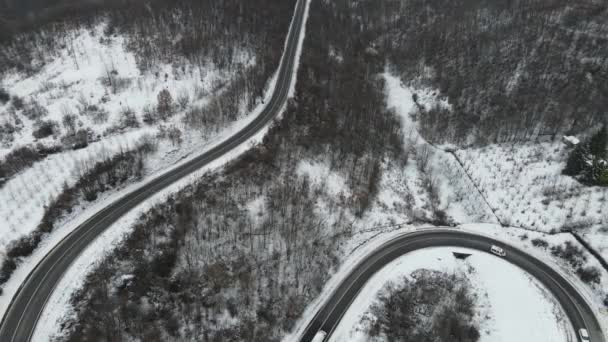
579	312
22	315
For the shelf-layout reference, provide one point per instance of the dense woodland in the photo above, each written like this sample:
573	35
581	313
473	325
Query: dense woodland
512	70
200	267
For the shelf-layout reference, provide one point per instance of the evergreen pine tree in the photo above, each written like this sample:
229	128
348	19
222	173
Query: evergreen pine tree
577	161
165	102
602	174
597	173
597	144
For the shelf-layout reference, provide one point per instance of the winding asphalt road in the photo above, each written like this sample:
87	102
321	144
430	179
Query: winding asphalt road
576	308
20	319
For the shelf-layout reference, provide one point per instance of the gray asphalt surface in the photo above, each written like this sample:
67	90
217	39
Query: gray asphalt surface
576	308
20	319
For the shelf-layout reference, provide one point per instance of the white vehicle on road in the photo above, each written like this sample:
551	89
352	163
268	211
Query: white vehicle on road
584	335
320	336
498	251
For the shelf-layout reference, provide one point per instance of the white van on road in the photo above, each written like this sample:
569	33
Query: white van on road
320	336
498	251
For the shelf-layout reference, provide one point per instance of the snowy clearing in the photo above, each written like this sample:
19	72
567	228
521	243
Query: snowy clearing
75	83
438	166
524	184
97	78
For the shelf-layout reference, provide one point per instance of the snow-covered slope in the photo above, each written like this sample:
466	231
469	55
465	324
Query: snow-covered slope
95	80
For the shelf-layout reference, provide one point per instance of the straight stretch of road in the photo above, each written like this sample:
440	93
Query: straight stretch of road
20	319
576	308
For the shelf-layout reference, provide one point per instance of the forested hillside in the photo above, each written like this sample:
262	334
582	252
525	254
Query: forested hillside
512	70
17	16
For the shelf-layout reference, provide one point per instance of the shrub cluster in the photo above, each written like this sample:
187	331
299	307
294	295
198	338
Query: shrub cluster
45	129
4	96
577	259
22	158
539	243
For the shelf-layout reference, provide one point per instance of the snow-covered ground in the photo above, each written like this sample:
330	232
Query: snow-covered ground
95	73
532	315
24	197
524	184
523	239
453	186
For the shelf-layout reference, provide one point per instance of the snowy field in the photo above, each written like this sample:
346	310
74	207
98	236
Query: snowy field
24	197
97	79
74	82
524	185
499	313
